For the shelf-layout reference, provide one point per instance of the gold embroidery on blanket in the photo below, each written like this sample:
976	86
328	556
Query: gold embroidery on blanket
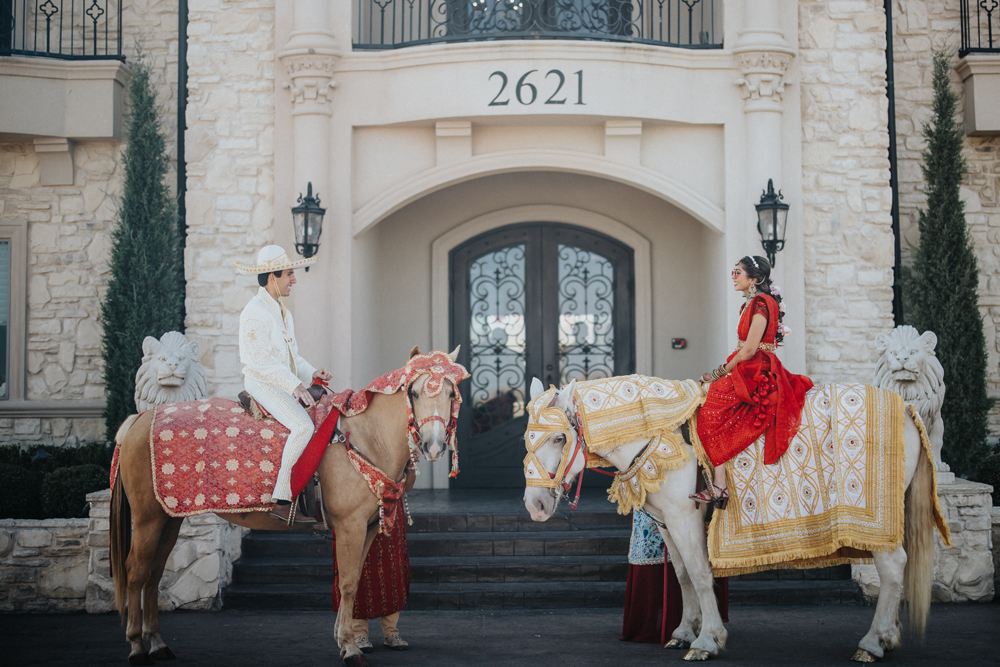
840	484
663	454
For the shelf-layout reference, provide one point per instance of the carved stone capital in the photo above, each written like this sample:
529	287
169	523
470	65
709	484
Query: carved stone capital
763	79
312	80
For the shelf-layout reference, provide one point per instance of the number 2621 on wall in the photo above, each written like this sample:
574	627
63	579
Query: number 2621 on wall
526	92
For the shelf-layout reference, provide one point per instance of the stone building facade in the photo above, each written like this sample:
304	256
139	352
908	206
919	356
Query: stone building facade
920	27
67	230
414	161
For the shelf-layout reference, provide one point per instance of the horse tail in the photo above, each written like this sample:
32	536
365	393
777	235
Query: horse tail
918	542
123	429
120	529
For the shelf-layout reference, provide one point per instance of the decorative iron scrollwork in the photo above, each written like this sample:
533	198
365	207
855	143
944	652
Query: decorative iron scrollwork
586	315
685	23
497	336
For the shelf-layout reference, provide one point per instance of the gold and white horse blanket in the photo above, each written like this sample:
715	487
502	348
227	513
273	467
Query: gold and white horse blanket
835	496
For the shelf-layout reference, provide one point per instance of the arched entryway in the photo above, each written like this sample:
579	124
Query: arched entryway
545	300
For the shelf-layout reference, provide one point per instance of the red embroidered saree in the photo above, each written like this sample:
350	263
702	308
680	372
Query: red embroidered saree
758	397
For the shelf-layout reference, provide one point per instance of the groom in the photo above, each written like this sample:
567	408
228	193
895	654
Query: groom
274	374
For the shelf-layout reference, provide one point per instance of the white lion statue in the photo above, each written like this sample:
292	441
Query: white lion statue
170	372
908	366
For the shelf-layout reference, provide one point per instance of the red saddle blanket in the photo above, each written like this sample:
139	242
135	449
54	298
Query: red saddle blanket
213	456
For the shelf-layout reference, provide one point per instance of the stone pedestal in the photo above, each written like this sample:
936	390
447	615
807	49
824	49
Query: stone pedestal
964	572
198	569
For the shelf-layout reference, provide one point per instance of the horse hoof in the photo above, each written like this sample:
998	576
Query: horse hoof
678	644
163	653
358	660
697	655
140	660
862	655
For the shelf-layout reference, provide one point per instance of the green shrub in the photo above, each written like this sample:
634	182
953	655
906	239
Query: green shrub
989	473
98	453
64	491
20	492
945	264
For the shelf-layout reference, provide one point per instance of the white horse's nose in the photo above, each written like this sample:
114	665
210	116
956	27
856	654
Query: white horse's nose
434	451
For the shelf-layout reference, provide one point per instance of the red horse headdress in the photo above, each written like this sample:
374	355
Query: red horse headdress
439	367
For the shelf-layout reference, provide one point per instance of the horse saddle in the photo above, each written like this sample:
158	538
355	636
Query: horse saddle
316	391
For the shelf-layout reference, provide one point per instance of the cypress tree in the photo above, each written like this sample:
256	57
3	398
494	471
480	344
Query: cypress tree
944	281
145	292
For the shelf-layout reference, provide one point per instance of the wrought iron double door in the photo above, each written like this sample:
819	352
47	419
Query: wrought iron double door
542	300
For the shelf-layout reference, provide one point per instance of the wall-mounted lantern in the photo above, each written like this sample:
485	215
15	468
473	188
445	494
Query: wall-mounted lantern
772	214
307	219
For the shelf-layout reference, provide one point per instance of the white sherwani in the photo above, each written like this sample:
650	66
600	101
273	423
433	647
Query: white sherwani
272	369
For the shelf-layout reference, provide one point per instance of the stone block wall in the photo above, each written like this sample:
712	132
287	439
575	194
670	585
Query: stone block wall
68	242
846	195
229	147
966	571
198	569
919	26
43	564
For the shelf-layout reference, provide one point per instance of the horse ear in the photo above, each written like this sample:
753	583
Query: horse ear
537	388
454	353
150	346
415	351
929	340
566	394
882	343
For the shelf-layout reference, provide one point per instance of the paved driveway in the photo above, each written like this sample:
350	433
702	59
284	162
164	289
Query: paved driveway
966	635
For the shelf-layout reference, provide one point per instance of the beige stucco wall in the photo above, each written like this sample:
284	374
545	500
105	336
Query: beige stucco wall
395	311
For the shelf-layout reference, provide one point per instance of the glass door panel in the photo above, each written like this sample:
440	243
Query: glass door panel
537	300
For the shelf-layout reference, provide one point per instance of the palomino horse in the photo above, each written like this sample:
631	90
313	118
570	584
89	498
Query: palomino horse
701	627
379	433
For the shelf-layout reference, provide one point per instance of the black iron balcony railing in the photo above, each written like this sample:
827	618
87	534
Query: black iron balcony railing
387	24
69	29
980	26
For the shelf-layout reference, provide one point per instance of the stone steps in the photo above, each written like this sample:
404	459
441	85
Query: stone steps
446	569
499	560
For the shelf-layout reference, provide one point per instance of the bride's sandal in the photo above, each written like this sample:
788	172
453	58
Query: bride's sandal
712	495
703	496
721	498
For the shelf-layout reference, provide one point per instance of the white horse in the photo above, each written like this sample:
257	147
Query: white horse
682	526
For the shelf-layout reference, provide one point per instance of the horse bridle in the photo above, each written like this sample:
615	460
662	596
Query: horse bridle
578	448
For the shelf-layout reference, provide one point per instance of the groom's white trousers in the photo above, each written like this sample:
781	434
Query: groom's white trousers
290	413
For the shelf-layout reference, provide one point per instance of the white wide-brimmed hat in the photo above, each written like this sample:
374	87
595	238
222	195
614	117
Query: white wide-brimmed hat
272	258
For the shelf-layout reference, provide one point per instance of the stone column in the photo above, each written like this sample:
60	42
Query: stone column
763	56
309	58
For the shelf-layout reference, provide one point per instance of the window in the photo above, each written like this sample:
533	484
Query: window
13	289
